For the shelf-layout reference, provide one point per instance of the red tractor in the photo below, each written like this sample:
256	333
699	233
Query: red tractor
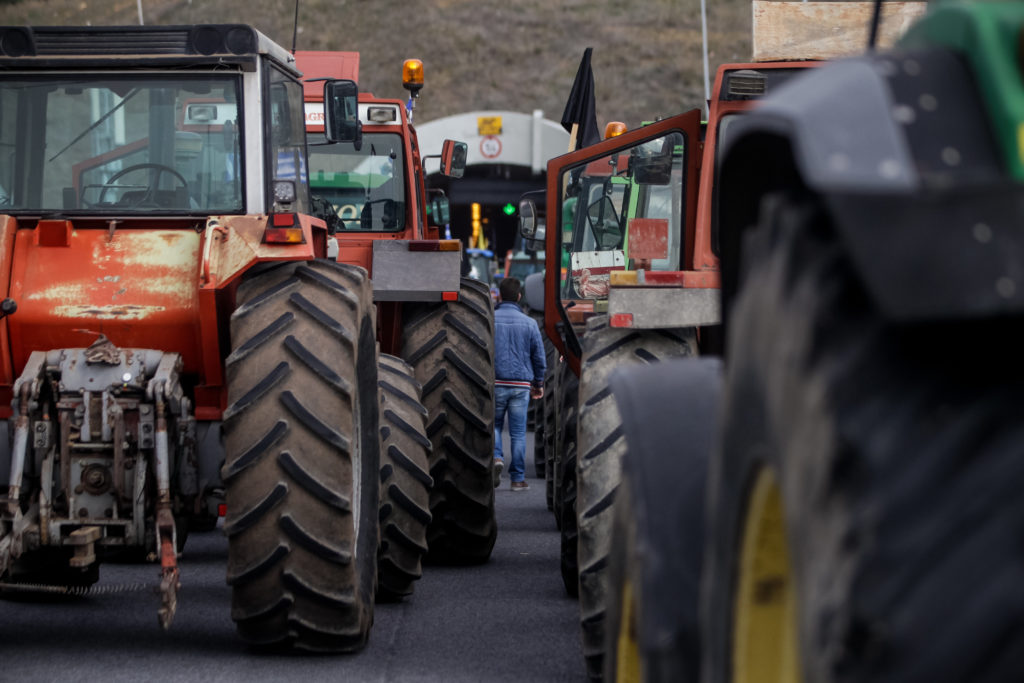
370	188
629	228
175	327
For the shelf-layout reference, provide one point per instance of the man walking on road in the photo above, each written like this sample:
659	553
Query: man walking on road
519	375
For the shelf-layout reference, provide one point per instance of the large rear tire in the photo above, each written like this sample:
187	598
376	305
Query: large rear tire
565	486
599	460
302	457
547	436
541	409
866	506
451	347
404	480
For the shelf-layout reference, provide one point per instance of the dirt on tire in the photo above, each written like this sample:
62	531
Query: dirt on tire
404	480
897	463
302	457
450	345
601	447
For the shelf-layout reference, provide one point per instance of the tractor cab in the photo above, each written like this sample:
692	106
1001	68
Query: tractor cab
622	206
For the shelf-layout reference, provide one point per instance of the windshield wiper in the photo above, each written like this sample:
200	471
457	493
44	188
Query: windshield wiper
103	118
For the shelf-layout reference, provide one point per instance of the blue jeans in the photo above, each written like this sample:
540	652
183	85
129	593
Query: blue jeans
514	401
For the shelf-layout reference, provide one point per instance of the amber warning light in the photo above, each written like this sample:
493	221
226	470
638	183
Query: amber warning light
412	75
614	129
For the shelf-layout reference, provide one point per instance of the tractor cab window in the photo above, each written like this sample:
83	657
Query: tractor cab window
361	189
124	143
623	211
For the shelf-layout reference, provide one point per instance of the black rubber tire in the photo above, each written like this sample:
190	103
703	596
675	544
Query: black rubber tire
534	411
670	419
404	480
550	433
565	491
542	409
566	394
548	445
568	537
599	462
451	347
302	452
898	465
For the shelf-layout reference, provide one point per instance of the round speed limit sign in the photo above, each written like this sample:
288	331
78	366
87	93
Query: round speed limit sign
490	147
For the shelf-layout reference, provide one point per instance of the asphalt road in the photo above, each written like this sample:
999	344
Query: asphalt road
507	620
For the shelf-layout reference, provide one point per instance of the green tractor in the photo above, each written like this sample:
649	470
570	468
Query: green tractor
863	516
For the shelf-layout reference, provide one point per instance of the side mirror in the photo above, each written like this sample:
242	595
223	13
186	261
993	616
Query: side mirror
453	158
440	211
527	219
341	112
651	162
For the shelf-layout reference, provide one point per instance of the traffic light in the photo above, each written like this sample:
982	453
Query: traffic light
509	209
476	239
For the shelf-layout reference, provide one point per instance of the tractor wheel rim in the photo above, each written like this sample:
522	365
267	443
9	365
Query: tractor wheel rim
627	651
765	643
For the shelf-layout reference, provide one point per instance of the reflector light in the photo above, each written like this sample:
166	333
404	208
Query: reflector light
434	245
621	320
280	220
222	510
53	233
622	277
284	236
449	296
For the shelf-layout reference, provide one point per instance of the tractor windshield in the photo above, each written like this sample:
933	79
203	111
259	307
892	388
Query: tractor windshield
623	211
364	188
124	143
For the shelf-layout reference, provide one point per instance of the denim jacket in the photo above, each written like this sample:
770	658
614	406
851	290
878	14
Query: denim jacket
518	347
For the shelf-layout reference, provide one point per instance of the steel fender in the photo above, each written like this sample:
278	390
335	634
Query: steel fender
231	244
670	416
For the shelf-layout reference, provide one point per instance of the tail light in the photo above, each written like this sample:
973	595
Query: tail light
434	245
284	228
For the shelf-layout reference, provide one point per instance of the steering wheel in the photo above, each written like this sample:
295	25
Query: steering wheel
148	195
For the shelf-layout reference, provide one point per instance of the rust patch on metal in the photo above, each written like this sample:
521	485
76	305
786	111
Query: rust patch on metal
107	312
648	238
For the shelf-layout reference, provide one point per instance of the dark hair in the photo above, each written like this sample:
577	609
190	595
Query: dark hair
510	289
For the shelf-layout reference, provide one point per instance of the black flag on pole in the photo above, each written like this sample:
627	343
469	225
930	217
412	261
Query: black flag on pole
579	110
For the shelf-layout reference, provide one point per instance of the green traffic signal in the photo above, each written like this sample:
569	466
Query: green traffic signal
509	209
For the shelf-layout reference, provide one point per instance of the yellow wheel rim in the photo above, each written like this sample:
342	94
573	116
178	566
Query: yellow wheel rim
627	653
764	622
